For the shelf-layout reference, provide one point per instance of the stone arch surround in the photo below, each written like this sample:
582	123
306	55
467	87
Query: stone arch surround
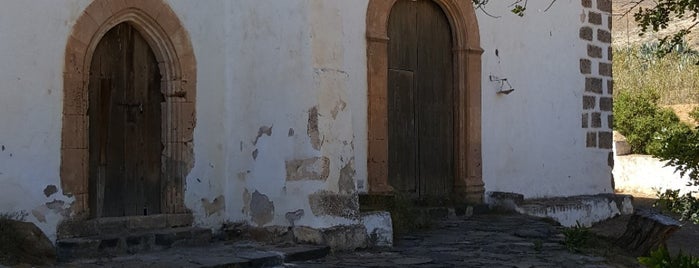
468	181
170	42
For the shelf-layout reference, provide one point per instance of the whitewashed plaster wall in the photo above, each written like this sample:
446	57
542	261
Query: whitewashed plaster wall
533	143
32	45
266	64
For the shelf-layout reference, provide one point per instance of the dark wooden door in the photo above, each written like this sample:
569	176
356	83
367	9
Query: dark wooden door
420	99
125	122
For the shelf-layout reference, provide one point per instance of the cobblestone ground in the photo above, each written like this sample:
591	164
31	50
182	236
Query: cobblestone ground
480	241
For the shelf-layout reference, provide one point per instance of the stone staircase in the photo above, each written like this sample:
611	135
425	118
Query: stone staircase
110	237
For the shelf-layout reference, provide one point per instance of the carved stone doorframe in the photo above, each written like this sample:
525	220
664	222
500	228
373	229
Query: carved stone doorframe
170	42
468	181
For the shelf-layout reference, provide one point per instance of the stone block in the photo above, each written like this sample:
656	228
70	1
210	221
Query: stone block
333	204
596	120
586	33
379	228
605	140
591	140
594	18
621	147
304	234
585	66
604	5
606	104
136	223
346	237
594	51
179	220
605	69
604	36
593	85
589	102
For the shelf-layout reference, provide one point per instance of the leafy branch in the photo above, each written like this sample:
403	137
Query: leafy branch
518	7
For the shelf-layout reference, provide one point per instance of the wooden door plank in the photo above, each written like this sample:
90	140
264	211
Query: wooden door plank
402	160
434	85
402	62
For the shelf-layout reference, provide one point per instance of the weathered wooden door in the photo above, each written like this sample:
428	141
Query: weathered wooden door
420	99
125	123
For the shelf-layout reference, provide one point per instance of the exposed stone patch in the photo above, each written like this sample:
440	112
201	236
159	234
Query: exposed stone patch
50	189
246	201
215	206
348	237
261	209
333	204
312	131
338	238
314	168
266	130
339	106
294	216
346	182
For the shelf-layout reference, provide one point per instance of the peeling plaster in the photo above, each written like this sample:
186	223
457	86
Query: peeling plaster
346	181
218	205
339	106
291	132
312	131
56	206
246	201
261	209
266	130
314	168
50	189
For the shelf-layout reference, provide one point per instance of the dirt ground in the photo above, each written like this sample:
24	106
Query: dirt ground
625	32
684	239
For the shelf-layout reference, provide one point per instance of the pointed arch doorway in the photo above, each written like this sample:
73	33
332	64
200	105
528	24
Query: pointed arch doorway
424	99
129	86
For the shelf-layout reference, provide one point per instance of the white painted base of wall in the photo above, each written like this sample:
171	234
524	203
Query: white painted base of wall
585	210
644	176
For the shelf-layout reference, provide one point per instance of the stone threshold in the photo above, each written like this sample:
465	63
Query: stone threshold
121	225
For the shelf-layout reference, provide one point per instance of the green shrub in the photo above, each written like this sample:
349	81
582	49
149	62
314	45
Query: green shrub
661	258
687	206
694	114
639	117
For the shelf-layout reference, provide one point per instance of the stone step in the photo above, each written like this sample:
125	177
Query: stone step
584	210
70	249
221	254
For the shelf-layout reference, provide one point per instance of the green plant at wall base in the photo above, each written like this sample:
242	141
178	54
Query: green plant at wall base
661	258
576	237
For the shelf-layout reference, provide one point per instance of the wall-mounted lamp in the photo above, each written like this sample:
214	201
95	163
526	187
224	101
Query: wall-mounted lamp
502	85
